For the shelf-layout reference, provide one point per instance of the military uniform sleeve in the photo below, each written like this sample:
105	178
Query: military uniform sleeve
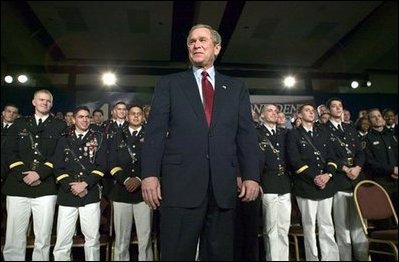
115	165
62	176
298	163
14	160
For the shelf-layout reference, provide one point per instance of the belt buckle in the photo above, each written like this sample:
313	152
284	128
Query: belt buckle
350	161
280	170
34	165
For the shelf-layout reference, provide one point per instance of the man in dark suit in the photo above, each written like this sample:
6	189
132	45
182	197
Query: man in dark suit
195	149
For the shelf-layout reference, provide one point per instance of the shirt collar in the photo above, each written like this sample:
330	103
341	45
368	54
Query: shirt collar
42	117
131	130
198	71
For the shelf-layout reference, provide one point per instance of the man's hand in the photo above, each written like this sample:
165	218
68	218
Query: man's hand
249	190
78	187
36	183
354	172
321	180
83	194
151	191
132	183
31	177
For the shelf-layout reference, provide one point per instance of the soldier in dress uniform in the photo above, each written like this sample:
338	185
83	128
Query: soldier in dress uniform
110	128
30	186
350	160
8	117
125	161
389	117
312	161
80	163
382	155
276	186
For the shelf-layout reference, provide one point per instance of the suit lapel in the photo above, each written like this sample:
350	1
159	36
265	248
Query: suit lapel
221	91
190	89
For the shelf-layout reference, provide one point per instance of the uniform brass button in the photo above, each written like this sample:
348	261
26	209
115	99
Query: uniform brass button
37	136
80	157
134	146
80	173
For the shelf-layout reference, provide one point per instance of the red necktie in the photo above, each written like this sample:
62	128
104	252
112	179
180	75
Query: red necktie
207	93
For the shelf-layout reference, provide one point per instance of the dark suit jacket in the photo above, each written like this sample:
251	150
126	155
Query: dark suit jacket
187	155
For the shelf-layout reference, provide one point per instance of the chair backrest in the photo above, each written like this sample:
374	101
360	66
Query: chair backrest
373	202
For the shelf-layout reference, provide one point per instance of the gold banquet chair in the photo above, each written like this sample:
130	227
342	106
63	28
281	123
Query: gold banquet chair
373	204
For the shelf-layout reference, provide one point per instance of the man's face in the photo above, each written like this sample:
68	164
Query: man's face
69	118
376	119
42	103
120	111
82	120
201	49
10	113
135	116
307	114
389	118
98	118
269	114
336	109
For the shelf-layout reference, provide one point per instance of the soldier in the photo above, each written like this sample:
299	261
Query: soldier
98	118
350	160
382	155
9	115
125	161
389	117
80	163
276	186
311	158
111	127
30	186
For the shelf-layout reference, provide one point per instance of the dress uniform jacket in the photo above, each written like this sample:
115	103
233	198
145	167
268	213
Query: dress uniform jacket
275	178
125	162
381	157
75	163
307	163
31	147
4	166
348	151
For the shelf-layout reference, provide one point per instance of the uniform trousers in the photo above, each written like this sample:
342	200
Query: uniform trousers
124	213
19	210
348	228
89	216
276	213
320	210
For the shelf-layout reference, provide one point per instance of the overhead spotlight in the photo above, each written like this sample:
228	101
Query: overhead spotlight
8	79
22	79
289	81
109	79
355	84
